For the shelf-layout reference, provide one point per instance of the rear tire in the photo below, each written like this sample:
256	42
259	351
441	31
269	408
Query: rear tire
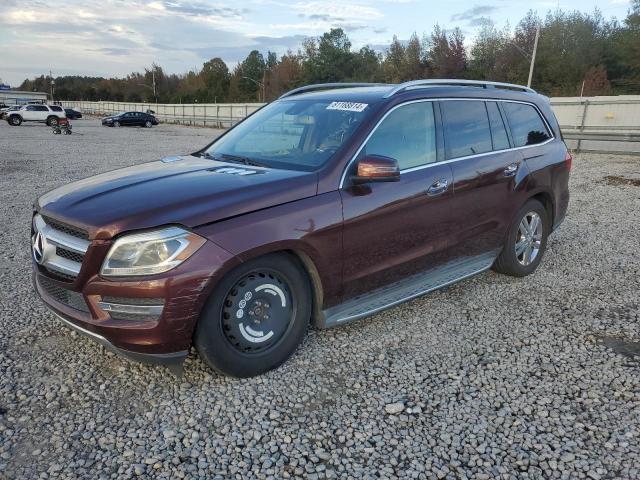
526	241
116	124
52	121
255	317
15	120
148	124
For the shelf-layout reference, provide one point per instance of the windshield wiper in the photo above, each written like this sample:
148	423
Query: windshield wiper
226	157
242	159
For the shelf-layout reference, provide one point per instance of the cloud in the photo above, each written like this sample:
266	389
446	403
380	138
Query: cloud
113	51
474	14
197	9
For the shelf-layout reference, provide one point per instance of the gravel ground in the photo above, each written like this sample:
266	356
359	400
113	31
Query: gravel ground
493	377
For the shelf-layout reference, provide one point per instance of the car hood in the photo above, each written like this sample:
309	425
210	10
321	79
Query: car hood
183	190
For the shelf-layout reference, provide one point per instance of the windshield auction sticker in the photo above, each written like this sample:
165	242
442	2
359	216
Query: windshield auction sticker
347	106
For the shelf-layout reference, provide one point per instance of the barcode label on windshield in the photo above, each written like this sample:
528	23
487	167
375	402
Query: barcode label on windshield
347	106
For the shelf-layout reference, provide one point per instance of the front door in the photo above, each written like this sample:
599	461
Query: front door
395	229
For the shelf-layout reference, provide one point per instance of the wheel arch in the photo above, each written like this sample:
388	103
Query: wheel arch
315	282
546	199
305	261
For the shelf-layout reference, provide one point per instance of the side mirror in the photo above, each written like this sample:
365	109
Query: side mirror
376	168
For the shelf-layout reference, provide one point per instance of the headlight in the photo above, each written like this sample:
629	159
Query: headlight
150	252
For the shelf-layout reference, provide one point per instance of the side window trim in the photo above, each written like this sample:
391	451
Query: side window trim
507	129
486	111
440	152
507	126
440	128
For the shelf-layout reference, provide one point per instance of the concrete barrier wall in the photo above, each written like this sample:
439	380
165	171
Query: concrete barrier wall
616	116
218	115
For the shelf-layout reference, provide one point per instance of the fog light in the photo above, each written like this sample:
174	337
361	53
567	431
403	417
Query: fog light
132	308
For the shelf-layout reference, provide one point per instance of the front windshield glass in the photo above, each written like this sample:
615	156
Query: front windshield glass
297	135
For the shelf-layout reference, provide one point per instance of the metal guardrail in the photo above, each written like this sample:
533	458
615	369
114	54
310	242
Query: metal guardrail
593	124
602	137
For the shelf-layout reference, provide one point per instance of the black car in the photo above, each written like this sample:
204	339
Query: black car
72	114
127	119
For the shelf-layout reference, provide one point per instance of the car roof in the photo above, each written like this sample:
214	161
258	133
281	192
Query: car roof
417	90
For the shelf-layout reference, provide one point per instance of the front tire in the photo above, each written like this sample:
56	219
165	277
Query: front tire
15	120
526	241
116	124
255	317
148	124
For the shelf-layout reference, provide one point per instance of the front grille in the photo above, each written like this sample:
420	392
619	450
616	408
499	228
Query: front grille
63	248
68	254
63	277
72	299
65	228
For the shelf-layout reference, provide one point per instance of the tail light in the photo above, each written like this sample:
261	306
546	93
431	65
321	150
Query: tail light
568	160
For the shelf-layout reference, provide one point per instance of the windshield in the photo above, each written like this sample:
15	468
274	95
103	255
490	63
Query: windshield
297	135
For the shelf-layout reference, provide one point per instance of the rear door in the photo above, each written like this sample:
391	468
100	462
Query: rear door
395	229
127	118
43	112
30	113
487	175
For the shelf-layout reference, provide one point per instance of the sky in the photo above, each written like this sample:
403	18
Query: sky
115	37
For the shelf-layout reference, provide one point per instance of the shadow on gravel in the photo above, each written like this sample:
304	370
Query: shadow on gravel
620	346
617	181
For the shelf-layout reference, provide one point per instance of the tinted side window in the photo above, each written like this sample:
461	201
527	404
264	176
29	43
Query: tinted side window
408	134
527	128
56	108
466	128
498	131
41	108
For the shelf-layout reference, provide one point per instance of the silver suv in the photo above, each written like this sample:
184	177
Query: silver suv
49	114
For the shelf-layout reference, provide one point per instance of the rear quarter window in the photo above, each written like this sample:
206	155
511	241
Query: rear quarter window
527	127
55	108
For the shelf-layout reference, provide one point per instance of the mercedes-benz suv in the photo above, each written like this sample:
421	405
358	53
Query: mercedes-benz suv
325	206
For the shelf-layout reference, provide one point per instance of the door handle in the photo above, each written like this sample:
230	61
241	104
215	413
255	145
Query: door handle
438	187
511	169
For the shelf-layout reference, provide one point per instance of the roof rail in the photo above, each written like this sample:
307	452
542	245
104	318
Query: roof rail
435	82
322	86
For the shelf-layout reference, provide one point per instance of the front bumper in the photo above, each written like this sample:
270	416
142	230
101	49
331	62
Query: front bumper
150	358
163	339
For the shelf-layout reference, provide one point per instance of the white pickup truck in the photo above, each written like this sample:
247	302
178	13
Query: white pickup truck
50	114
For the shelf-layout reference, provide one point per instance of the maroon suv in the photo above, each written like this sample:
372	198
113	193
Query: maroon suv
327	205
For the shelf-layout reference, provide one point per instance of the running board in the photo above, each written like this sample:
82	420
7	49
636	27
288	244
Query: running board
406	289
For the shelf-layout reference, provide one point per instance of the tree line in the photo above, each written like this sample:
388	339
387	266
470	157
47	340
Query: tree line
577	53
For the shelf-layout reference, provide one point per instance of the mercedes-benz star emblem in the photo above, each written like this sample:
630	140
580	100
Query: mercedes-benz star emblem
39	243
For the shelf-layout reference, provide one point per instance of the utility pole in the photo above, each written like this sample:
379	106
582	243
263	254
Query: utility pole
533	57
153	76
51	83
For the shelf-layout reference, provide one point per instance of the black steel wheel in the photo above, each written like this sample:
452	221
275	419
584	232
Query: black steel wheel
255	317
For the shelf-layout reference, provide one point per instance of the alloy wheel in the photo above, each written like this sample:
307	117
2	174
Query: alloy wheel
529	238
